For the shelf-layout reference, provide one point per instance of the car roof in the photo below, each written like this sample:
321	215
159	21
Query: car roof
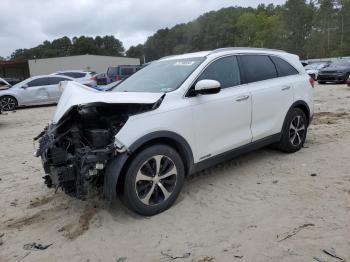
44	76
72	71
226	50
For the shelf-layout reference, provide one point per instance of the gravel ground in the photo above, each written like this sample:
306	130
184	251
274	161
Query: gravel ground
263	206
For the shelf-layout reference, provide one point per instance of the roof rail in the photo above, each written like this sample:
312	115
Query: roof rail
244	48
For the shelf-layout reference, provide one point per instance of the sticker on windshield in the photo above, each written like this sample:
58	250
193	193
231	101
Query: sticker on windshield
184	63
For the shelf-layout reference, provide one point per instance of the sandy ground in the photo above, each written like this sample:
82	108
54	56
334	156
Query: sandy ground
264	206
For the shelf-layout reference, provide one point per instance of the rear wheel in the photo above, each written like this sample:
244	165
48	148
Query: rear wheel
153	180
294	131
8	103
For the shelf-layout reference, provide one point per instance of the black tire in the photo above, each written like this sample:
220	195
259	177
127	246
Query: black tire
293	132
144	165
321	82
8	103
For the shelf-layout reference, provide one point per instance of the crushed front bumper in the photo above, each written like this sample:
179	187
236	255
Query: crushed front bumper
73	172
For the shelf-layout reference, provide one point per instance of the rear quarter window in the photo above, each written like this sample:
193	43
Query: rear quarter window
283	67
257	68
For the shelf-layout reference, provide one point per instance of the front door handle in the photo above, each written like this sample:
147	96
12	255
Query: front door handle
285	88
242	98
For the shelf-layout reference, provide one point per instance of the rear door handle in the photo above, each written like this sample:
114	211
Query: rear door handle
242	98
285	88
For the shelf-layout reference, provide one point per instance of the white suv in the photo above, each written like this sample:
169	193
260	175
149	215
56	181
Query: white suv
87	78
176	116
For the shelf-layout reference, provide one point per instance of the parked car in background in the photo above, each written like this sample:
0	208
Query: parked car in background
337	72
12	81
314	68
121	72
4	84
175	117
87	78
36	90
101	79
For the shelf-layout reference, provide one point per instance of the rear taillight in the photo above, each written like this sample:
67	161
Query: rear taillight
94	78
118	77
312	82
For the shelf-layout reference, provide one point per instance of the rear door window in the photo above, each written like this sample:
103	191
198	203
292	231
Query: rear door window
283	67
257	68
224	70
57	80
39	82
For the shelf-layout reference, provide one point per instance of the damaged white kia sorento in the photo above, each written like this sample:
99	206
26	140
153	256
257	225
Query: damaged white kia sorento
176	116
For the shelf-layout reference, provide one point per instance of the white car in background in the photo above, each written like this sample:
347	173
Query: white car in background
314	68
87	78
37	90
178	115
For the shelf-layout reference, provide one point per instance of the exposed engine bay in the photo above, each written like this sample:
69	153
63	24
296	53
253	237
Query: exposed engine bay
76	149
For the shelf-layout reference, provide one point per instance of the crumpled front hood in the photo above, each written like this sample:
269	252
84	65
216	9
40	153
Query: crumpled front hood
78	94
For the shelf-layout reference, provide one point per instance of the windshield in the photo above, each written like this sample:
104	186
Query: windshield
160	76
341	62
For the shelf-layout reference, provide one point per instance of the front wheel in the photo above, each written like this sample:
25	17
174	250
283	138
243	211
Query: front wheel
294	131
8	103
153	180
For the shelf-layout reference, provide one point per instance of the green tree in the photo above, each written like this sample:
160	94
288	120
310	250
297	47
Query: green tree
297	17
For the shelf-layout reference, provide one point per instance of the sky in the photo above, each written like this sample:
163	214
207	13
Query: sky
27	23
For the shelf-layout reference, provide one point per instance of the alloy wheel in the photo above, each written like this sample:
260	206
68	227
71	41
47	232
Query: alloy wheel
8	104
297	130
156	180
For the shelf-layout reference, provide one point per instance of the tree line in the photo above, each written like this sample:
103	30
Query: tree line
106	45
311	29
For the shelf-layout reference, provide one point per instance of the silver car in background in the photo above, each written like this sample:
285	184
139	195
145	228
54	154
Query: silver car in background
314	68
37	90
87	78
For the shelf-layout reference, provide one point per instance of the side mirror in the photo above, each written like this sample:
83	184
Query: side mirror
207	86
25	86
